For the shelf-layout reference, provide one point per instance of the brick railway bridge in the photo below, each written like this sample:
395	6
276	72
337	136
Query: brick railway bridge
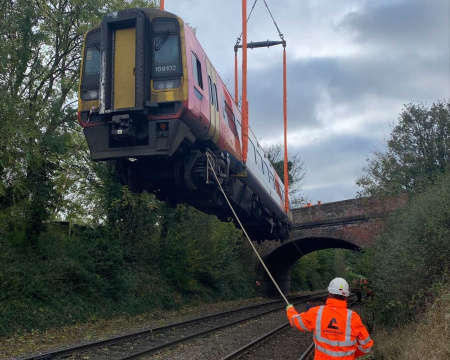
349	224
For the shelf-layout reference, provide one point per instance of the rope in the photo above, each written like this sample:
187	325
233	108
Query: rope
243	229
301	253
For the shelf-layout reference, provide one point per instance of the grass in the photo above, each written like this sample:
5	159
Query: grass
428	338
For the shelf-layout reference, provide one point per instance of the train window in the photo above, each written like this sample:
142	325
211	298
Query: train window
216	101
166	48
228	114
197	71
266	170
91	66
224	107
260	161
251	148
238	127
92	59
211	97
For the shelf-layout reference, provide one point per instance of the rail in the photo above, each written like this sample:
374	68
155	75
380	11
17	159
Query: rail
156	339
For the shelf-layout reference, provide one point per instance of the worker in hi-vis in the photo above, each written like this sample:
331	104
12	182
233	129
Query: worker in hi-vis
338	332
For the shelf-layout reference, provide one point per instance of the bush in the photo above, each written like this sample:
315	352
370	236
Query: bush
427	339
143	257
413	254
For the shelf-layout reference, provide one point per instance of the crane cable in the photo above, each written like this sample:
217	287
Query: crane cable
279	32
210	165
248	18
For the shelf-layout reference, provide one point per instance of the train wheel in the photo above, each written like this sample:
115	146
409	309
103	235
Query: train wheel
178	174
189	182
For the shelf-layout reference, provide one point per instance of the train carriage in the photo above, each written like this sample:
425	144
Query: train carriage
151	101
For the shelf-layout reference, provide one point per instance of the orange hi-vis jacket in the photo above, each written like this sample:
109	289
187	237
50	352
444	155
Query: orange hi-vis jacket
338	331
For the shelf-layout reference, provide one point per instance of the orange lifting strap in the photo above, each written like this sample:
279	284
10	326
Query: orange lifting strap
286	177
244	83
244	109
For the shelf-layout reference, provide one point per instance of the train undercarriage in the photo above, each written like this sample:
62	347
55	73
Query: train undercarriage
197	180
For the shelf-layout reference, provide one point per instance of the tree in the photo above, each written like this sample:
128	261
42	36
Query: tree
40	140
296	171
417	151
40	53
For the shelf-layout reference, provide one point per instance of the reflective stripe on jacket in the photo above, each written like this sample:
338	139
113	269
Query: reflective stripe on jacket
338	331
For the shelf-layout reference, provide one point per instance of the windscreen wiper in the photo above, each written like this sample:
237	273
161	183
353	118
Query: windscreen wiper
161	40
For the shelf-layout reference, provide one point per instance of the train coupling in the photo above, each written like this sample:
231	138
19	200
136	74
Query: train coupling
122	127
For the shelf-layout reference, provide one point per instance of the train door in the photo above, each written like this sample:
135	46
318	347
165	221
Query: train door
124	76
214	128
124	68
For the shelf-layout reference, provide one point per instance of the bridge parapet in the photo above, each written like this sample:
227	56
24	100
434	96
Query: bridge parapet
357	209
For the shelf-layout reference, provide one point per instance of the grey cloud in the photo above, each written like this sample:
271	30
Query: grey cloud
404	79
333	166
306	83
400	26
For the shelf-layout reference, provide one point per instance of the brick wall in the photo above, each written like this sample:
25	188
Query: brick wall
356	220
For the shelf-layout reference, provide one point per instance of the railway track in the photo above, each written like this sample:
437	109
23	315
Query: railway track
155	342
282	342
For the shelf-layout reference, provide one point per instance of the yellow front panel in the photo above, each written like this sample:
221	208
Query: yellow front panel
124	68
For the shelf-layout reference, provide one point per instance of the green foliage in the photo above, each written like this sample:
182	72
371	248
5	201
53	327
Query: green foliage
143	256
315	270
417	151
359	265
44	167
38	76
296	171
133	223
200	255
413	254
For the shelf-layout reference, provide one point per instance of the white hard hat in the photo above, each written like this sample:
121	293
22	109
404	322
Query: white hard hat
339	286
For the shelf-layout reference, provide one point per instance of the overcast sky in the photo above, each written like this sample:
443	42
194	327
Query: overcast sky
351	67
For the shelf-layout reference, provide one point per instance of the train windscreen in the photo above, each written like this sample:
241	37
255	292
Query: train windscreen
167	68
91	67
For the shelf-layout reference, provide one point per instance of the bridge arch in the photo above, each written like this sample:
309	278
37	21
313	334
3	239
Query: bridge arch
349	224
282	259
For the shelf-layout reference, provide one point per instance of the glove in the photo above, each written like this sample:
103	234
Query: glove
289	306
